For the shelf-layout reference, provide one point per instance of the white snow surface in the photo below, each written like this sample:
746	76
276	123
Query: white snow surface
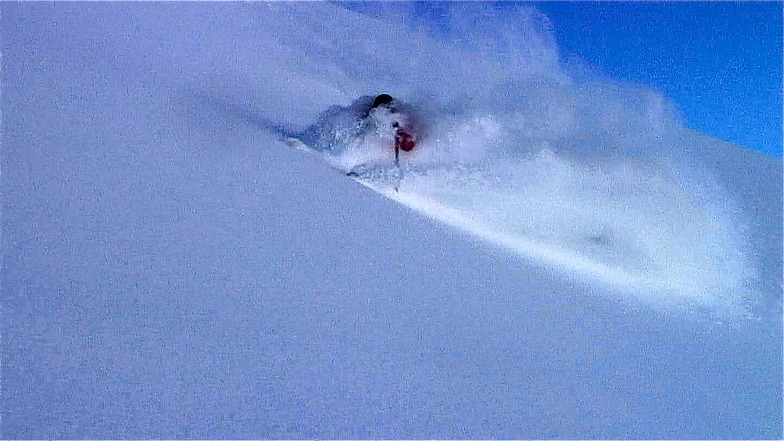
563	259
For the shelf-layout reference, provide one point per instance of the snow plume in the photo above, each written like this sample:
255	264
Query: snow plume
594	178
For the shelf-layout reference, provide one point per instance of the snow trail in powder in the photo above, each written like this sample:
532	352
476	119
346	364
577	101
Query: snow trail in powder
655	229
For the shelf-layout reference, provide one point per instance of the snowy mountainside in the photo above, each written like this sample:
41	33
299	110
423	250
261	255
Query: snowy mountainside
172	270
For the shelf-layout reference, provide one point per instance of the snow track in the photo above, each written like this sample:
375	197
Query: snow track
648	230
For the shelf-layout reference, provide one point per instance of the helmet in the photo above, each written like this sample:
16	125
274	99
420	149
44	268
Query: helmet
382	100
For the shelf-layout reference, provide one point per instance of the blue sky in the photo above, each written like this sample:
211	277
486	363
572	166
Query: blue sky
719	61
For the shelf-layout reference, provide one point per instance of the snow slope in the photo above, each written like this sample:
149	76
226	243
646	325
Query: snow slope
171	269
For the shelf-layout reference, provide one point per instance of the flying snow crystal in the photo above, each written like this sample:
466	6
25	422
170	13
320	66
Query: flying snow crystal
594	178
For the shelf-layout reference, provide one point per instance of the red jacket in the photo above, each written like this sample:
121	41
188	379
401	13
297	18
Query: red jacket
410	132
404	141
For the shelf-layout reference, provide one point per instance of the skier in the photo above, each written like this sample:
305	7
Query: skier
396	119
382	118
